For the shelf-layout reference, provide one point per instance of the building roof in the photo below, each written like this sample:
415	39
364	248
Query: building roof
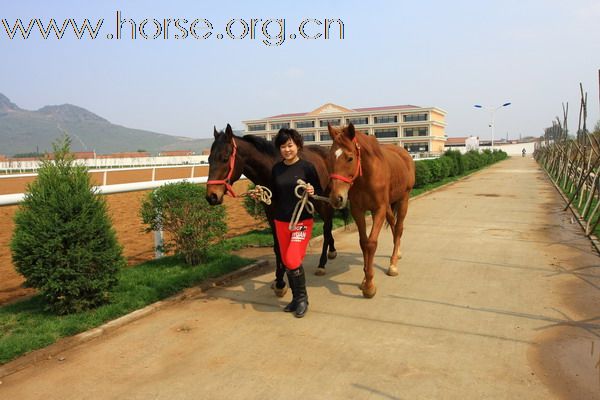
334	108
385	108
456	140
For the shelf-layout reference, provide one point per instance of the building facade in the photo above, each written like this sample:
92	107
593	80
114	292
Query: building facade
418	129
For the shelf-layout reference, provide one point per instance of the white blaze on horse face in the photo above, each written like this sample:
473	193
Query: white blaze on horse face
338	153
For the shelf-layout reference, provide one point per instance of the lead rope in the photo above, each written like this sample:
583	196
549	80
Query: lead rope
301	204
260	193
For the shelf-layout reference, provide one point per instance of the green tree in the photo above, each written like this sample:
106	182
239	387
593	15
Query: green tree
63	243
191	224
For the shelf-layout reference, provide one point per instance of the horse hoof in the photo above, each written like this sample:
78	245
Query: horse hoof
331	255
279	292
362	285
392	270
320	271
369	292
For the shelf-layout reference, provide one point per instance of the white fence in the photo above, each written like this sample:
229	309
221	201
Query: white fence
13	199
13	166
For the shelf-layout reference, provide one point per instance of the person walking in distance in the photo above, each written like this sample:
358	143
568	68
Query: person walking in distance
293	243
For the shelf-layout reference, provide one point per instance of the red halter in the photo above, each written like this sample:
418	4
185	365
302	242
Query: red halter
227	180
358	171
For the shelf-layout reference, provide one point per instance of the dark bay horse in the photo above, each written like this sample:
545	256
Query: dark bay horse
372	177
231	156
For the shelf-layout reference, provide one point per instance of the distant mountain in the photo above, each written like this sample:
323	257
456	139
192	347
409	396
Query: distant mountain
24	131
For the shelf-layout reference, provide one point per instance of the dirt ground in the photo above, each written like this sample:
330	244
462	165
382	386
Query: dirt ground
124	209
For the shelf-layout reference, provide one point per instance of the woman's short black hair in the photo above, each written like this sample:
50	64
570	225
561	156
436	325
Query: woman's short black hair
286	134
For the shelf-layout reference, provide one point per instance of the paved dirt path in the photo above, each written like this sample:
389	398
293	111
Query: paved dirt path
497	298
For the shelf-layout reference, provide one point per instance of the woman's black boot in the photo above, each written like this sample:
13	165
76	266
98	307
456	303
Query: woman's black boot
299	304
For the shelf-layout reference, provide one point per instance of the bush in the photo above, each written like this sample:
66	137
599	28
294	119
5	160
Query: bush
422	174
181	210
447	166
472	160
457	158
63	243
435	167
254	207
486	156
499	155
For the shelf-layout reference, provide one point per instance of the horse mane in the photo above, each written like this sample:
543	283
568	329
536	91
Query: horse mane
320	150
261	144
369	144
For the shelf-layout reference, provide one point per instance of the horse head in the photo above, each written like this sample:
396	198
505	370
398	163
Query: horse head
344	162
224	167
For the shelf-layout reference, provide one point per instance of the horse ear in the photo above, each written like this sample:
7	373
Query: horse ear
229	132
350	132
216	133
334	133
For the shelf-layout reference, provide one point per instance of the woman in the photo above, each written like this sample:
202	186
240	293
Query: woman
292	244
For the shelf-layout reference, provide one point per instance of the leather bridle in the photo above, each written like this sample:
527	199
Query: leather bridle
357	172
227	180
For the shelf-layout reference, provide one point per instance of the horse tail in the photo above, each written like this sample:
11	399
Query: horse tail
345	213
395	207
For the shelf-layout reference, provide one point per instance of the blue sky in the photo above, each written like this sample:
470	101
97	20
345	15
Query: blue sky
451	55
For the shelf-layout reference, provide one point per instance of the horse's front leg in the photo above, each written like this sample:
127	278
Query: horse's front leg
359	218
369	289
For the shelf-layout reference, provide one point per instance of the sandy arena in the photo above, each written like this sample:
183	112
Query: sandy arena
124	211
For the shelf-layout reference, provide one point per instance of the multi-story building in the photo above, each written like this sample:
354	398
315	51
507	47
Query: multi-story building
418	129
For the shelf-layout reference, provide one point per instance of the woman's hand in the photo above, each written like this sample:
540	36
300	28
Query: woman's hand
310	189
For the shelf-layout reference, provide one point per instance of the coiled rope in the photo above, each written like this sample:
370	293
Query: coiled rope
260	193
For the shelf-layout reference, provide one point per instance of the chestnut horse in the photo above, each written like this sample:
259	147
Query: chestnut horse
372	177
231	156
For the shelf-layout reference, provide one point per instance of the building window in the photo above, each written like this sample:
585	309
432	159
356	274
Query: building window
408	132
278	125
415	117
386	119
386	133
332	122
325	136
257	127
308	137
305	124
423	131
416	147
358	121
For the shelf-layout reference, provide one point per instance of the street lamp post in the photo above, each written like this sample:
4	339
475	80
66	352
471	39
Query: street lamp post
492	112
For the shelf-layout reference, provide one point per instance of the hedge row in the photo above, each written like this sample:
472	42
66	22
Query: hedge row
453	163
